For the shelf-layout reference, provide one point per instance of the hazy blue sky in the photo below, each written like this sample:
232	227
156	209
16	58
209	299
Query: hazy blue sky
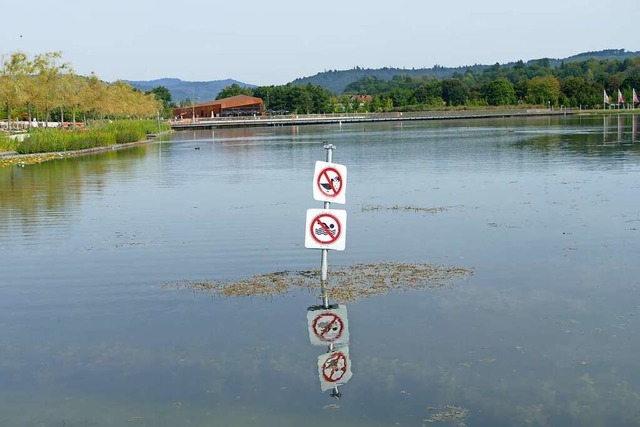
274	42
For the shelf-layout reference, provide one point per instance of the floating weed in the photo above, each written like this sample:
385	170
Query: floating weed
346	284
331	406
454	414
24	160
406	208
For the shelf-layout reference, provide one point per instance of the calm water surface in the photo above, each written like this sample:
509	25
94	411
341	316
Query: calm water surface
545	211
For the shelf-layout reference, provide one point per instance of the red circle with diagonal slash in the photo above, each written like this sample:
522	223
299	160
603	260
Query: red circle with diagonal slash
322	332
333	191
334	368
318	222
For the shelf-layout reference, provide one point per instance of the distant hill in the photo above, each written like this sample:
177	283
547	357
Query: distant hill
336	81
181	90
619	54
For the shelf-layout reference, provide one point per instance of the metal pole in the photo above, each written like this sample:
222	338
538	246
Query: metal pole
324	263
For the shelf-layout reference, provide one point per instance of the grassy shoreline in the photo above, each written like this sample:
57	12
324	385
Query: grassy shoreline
13	158
45	144
97	135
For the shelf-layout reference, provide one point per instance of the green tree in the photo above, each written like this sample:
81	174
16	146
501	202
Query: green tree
543	90
163	95
454	92
500	92
577	92
233	90
300	100
427	92
321	98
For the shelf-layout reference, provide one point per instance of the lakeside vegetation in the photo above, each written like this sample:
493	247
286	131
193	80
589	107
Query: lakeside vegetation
45	97
7	144
98	135
45	89
579	84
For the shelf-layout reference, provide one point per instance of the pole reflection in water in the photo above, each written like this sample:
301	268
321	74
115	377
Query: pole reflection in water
330	327
620	122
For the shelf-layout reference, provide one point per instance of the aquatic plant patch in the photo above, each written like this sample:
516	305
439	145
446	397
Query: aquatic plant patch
346	284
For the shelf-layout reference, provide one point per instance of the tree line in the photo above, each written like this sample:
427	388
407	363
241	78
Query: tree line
575	84
538	83
44	88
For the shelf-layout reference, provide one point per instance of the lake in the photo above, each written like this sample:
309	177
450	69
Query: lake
102	325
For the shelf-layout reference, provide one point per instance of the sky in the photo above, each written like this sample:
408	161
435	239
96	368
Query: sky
274	42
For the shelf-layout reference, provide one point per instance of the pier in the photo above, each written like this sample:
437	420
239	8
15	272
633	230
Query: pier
344	118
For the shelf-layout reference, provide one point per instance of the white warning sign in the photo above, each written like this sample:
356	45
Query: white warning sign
326	229
330	182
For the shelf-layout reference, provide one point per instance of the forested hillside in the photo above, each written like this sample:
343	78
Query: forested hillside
182	90
337	81
572	84
578	84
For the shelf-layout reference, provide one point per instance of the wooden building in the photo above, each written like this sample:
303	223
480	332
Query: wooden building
239	105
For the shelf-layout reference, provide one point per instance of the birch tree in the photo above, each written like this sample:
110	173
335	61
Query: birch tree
13	80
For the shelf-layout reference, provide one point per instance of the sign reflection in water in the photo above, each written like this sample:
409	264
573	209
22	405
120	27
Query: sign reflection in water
330	327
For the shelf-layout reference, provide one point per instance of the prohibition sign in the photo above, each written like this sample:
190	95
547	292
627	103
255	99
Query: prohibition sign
334	367
328	327
325	231
329	182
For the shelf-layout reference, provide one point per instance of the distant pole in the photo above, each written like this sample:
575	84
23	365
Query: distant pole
324	262
193	106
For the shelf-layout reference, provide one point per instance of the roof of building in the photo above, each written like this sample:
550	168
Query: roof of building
232	101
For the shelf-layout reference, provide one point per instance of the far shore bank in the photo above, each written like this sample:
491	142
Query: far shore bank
344	118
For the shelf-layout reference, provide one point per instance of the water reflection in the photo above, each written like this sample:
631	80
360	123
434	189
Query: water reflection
623	128
51	191
620	122
329	326
612	135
